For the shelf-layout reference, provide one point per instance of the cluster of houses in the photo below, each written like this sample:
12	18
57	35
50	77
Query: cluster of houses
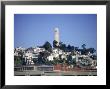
32	53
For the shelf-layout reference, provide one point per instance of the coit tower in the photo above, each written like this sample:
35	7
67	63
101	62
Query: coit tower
56	35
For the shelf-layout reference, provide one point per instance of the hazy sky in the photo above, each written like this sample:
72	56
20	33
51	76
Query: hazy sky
35	29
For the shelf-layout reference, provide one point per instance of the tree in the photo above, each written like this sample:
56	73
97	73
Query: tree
17	60
44	54
91	50
84	46
35	60
48	46
72	48
62	46
23	61
55	61
41	59
55	44
69	48
76	48
83	50
94	57
69	60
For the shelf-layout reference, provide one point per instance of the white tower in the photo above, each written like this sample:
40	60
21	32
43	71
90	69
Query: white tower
56	34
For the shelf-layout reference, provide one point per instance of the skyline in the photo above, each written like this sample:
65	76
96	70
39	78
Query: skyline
31	30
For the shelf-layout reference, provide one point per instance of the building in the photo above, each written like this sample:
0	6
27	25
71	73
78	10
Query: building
37	50
56	34
19	49
50	57
34	68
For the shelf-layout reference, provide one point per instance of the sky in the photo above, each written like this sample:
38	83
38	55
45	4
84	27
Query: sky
31	30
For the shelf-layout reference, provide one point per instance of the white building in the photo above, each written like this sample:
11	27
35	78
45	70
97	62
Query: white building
35	55
50	58
29	62
28	55
58	51
55	50
63	56
19	49
37	50
16	53
56	34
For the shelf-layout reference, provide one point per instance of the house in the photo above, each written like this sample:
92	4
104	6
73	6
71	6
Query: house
37	50
55	50
63	56
16	53
19	49
50	57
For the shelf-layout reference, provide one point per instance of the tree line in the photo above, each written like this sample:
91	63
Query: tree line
42	57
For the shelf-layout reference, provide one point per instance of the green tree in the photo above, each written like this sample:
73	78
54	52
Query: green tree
17	60
41	59
55	44
62	46
91	50
84	50
55	61
48	46
69	48
84	46
69	60
76	48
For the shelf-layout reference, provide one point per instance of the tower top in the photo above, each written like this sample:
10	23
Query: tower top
56	29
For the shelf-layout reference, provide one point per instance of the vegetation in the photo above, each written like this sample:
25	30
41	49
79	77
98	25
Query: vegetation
42	57
17	60
47	46
55	44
